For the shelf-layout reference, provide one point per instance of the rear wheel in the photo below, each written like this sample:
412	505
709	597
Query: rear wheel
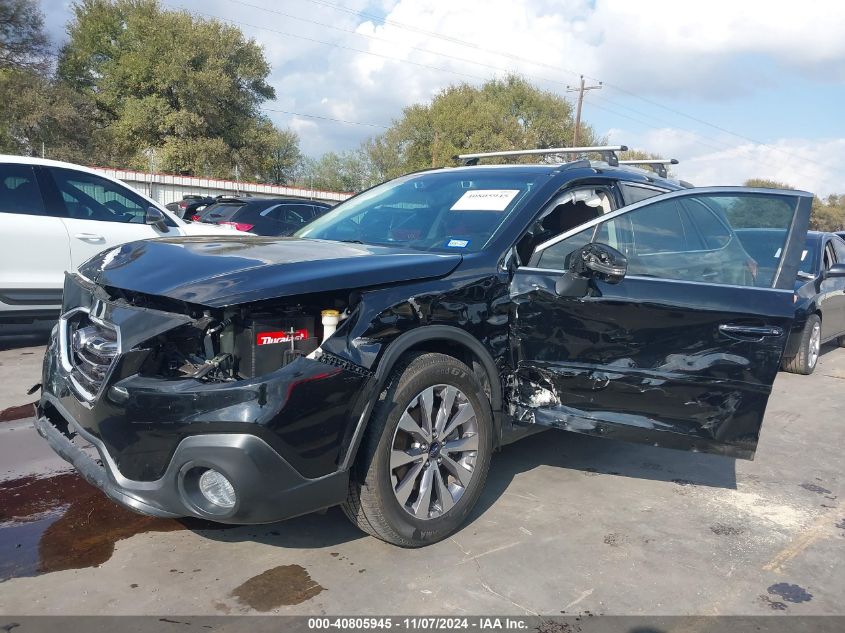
426	454
804	362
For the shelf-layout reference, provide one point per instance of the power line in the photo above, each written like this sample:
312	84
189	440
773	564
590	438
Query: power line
477	77
393	58
327	118
566	70
335	45
429	51
388	41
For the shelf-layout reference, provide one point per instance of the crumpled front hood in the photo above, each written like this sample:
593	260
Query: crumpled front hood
223	271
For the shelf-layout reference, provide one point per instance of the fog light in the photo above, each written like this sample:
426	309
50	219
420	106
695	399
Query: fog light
217	489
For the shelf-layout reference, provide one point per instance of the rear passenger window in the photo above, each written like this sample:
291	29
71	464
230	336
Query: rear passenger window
839	249
829	257
271	212
632	193
296	213
19	191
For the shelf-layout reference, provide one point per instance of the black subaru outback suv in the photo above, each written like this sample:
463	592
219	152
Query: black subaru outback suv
378	357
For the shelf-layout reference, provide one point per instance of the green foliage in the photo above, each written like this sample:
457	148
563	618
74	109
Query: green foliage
38	112
284	158
824	216
186	90
764	183
23	42
346	172
501	114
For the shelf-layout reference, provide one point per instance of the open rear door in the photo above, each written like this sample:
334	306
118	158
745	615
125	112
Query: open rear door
683	350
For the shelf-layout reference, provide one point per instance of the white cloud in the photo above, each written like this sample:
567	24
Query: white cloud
721	50
656	48
813	165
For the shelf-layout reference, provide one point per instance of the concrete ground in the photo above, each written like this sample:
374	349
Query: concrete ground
567	524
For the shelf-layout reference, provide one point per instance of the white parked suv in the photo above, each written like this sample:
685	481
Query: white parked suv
54	216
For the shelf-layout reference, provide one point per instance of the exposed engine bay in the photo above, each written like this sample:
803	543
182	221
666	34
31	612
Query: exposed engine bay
241	342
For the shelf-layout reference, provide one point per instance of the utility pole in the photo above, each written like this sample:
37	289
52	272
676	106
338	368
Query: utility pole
580	90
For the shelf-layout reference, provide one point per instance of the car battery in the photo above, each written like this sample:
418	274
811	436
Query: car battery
262	345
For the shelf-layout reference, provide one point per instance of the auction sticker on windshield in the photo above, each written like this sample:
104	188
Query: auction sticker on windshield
485	200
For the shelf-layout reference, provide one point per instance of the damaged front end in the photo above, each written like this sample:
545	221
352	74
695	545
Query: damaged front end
177	409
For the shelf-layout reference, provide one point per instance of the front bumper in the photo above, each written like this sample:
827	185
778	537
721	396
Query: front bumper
280	438
267	487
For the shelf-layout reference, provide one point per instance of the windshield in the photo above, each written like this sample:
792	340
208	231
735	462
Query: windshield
452	210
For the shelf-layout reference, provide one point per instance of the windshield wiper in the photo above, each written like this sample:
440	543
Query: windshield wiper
351	241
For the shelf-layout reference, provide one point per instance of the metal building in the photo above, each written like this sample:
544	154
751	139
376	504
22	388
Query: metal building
167	188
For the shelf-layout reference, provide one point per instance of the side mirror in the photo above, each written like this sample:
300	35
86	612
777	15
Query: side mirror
156	218
835	271
601	261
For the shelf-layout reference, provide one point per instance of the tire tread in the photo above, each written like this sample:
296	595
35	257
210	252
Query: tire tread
363	503
799	364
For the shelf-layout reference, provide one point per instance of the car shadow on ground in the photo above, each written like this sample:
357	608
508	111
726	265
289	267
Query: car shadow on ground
561	449
592	455
14	336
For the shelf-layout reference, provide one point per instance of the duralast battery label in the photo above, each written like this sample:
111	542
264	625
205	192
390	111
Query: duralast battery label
271	338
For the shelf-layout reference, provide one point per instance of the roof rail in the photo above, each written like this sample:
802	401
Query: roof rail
658	165
608	153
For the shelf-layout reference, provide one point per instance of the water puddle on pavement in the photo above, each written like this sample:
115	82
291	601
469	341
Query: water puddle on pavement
280	586
61	522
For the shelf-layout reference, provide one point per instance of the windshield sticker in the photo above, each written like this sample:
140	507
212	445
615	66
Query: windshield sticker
457	243
485	200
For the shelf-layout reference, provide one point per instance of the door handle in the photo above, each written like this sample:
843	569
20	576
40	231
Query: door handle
90	237
751	330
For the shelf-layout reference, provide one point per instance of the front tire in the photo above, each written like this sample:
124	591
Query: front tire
425	456
805	361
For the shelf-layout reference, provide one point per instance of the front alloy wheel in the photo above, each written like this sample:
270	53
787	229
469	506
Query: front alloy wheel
435	445
425	455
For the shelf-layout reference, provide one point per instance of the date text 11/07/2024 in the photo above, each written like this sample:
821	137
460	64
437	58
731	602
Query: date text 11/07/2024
422	623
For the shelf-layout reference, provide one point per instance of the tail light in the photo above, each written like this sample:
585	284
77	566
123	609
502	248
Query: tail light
195	218
240	226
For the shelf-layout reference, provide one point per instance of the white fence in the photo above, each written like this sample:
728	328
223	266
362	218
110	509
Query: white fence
167	188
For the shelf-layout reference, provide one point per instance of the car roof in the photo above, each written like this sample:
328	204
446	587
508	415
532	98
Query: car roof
616	172
46	162
249	199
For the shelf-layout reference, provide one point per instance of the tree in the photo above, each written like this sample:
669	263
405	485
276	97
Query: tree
187	89
41	115
824	216
284	158
23	43
346	171
502	114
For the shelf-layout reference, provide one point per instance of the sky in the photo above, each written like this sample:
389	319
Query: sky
732	89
